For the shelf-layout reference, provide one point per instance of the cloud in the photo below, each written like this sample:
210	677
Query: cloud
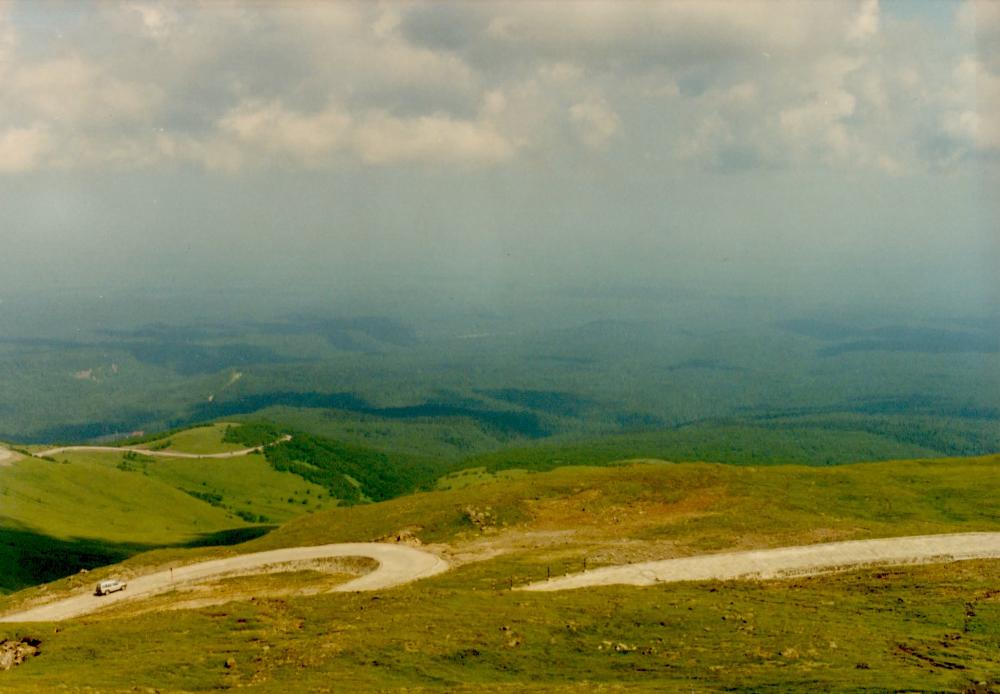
383	139
819	124
977	103
980	19
866	23
271	130
21	149
594	121
974	102
640	33
155	21
261	134
79	94
6	36
232	86
734	134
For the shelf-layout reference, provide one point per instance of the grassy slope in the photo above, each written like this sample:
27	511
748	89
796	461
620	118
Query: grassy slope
916	627
737	444
872	630
56	518
832	439
697	506
90	495
447	438
207	439
91	509
87	498
248	484
142	499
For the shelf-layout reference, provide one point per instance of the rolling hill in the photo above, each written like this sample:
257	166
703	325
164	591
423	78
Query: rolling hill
869	628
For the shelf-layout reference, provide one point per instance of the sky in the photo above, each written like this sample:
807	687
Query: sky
837	150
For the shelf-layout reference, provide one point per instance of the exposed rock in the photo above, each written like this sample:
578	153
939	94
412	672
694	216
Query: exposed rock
406	536
13	653
484	519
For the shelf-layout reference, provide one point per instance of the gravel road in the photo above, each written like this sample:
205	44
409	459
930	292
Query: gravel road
162	454
788	561
7	456
398	564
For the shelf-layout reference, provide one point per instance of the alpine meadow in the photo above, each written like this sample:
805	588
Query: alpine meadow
500	346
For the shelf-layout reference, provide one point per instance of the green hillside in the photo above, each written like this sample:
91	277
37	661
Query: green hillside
119	503
210	438
56	518
904	627
93	496
736	443
82	509
694	507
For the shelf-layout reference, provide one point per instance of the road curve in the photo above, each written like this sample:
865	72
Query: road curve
161	454
398	564
787	561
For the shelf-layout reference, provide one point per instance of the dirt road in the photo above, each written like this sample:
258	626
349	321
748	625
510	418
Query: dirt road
162	454
398	564
788	561
7	456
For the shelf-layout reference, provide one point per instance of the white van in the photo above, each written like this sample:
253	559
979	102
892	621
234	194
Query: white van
110	586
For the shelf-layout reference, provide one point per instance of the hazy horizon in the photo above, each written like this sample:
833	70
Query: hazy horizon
802	152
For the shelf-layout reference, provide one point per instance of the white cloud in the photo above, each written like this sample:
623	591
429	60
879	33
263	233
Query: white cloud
257	134
594	121
213	153
976	105
7	38
234	85
77	94
22	149
683	32
561	73
383	139
866	23
270	129
357	49
821	120
530	112
732	131
980	19
890	165
156	21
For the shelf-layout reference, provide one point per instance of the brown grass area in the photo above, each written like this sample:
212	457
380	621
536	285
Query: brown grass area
665	521
588	521
597	519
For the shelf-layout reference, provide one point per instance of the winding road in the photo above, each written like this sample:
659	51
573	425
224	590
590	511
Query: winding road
398	564
161	454
787	562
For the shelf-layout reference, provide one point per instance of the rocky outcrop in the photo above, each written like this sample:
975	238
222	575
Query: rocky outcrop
14	653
